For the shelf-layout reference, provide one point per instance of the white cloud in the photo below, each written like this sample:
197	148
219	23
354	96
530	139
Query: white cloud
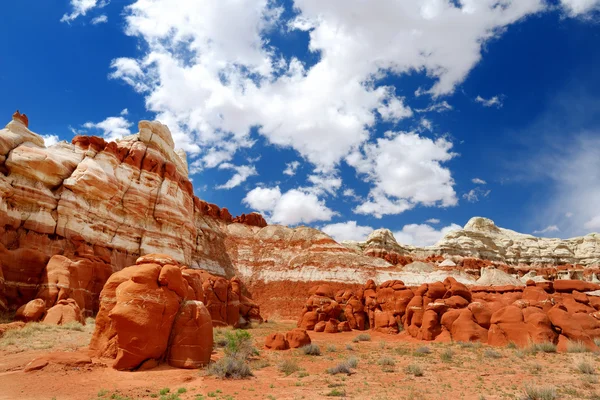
433	221
422	234
593	223
291	167
426	124
324	183
350	193
548	229
81	8
112	127
242	173
478	181
124	112
474	195
211	84
575	8
50	140
436	107
492	102
406	170
347	231
289	208
101	19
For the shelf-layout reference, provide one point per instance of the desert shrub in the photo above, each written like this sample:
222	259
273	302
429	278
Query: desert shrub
469	345
230	367
540	393
414	369
422	351
349	347
577	347
344	367
239	344
331	348
336	393
311	350
586	368
363	337
447	355
386	361
545	347
490	353
288	367
511	345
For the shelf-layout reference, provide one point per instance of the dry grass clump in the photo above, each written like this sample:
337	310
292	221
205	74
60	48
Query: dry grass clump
577	347
422	351
311	350
586	368
490	353
344	367
288	367
230	367
238	348
363	337
413	369
545	347
447	355
540	393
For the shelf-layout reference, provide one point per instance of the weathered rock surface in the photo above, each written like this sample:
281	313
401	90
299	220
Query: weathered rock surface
482	239
449	310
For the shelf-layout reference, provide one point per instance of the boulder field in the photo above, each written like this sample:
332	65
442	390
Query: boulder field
556	312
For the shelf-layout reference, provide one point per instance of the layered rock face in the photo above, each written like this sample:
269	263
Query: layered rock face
482	239
450	311
101	205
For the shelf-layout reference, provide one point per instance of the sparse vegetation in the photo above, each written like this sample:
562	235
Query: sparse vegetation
422	351
577	347
414	369
446	355
230	367
363	337
545	347
36	335
490	353
344	367
586	368
387	364
237	348
331	348
311	350
336	393
540	393
288	367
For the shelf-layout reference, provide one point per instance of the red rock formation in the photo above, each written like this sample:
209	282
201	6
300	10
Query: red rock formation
17	116
156	309
252	219
276	341
450	311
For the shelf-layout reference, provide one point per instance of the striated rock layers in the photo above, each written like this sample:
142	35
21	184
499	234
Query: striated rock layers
449	311
101	205
482	239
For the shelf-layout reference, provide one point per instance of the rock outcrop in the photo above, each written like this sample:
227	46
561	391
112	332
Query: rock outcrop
451	311
482	239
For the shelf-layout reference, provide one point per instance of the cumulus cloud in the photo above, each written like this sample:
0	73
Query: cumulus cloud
348	230
81	8
478	181
495	101
433	221
101	19
406	170
50	140
112	127
548	229
212	84
576	8
242	173
291	167
290	208
422	234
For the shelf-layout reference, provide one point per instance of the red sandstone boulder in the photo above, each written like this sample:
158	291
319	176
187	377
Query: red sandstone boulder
64	312
320	326
344	326
575	327
568	285
297	338
149	312
32	311
68	359
276	341
191	340
464	327
331	326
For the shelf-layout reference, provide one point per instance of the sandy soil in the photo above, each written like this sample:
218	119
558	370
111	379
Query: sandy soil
450	371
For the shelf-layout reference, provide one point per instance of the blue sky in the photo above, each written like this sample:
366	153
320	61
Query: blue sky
343	115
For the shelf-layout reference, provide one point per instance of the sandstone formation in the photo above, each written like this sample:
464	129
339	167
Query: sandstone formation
451	311
482	239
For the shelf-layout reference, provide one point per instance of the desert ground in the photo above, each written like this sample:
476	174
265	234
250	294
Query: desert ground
380	367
